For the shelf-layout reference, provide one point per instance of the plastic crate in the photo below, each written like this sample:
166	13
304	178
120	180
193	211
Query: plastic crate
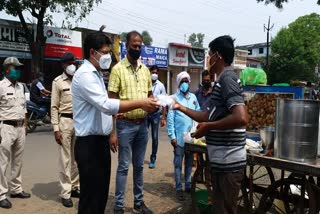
202	201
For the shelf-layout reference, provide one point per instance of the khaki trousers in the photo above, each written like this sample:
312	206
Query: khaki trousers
68	171
11	151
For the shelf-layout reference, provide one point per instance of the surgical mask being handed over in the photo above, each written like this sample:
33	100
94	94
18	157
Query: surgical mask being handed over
154	77
104	61
71	69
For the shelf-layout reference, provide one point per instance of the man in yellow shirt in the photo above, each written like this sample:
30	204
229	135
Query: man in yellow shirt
130	80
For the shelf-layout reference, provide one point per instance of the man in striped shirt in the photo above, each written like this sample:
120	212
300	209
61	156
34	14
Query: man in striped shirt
223	124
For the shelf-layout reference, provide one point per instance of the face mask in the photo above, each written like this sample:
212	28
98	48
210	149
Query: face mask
71	69
206	85
184	87
134	54
104	61
154	77
14	74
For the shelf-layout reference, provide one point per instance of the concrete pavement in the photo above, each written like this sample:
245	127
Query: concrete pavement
40	178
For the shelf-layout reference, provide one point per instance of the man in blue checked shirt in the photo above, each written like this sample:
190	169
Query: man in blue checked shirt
177	124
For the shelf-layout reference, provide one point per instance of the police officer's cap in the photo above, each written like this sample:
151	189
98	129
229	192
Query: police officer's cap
12	61
68	57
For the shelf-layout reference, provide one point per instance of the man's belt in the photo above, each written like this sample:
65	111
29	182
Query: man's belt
66	115
136	121
15	123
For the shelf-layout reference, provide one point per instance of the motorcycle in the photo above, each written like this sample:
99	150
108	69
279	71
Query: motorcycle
37	116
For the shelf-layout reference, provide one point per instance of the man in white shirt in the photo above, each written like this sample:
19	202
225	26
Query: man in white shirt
154	117
92	114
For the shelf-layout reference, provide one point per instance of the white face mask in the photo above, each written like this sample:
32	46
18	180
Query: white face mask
105	61
71	69
211	65
154	77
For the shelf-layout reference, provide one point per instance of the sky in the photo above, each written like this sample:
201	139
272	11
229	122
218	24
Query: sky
174	20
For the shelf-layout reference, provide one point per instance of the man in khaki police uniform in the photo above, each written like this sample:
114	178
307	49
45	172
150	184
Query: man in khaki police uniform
62	121
12	131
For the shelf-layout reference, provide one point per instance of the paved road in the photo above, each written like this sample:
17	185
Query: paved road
40	179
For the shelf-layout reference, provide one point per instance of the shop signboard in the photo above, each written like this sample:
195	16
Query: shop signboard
150	55
196	57
12	38
178	56
60	41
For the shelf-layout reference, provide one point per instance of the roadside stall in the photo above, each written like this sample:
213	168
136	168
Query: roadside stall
283	167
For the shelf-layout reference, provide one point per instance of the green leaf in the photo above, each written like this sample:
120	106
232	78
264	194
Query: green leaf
295	51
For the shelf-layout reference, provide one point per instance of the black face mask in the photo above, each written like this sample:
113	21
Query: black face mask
134	54
206	85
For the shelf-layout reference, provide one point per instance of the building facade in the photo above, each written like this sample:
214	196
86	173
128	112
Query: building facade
256	54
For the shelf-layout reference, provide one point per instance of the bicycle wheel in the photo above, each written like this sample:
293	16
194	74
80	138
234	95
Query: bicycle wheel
262	178
283	197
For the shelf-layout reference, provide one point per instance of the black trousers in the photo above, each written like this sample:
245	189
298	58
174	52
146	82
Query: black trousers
226	187
92	154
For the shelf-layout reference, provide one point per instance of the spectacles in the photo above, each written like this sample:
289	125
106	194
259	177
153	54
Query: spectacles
104	52
186	81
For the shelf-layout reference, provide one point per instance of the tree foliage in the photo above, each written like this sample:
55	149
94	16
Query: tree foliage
40	9
278	3
123	36
147	39
196	40
295	50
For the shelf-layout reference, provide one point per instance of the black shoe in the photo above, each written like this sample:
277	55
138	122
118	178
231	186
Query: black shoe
143	209
5	203
22	194
187	190
67	202
180	195
118	211
75	193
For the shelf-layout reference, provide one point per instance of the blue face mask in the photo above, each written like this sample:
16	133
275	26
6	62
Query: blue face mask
184	87
14	74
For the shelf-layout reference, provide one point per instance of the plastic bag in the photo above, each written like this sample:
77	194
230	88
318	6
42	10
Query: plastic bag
165	100
193	130
187	137
253	76
194	127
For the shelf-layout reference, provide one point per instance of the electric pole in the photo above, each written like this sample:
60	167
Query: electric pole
268	29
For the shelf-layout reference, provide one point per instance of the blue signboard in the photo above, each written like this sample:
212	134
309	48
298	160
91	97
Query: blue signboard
150	55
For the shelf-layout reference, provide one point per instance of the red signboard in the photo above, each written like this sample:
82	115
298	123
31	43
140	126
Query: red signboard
60	41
